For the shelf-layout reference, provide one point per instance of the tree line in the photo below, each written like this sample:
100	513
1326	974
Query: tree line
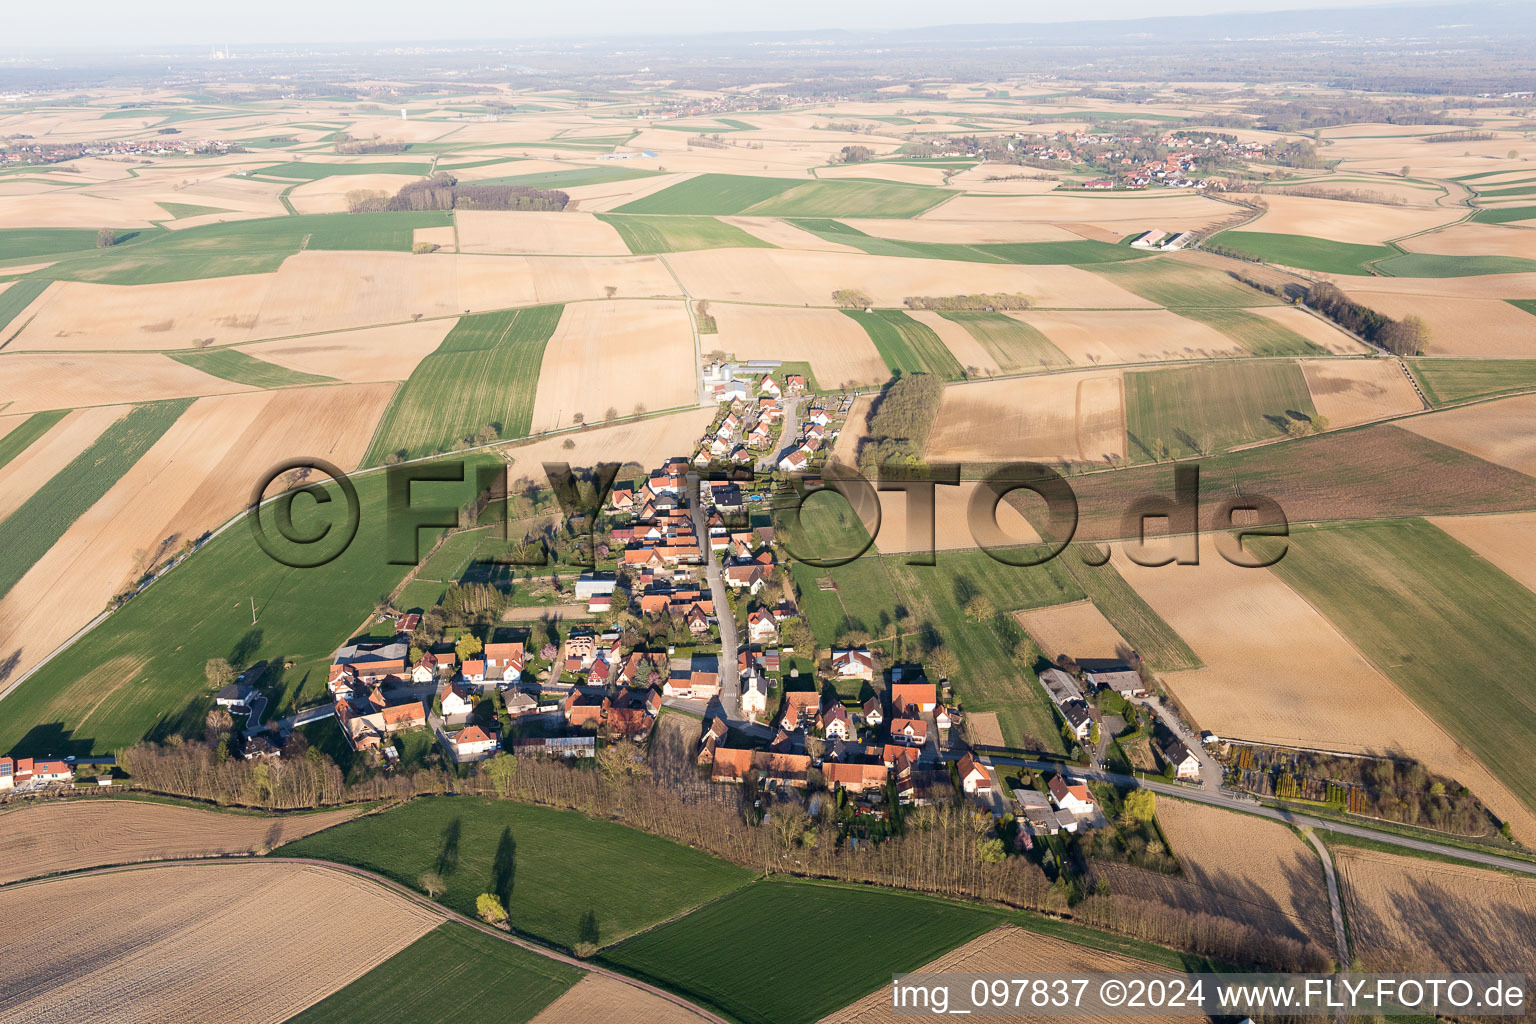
442	191
900	420
940	849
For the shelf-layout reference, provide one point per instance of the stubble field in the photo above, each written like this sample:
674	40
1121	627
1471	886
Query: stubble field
158	942
44	839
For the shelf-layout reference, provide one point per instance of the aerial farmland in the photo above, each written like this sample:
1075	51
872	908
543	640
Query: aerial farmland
689	526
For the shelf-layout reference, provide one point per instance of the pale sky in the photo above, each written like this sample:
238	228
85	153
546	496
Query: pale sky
26	24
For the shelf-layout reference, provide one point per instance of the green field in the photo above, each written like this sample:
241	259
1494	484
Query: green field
1260	335
1304	251
451	975
906	345
725	194
557	871
1441	622
647	235
792	952
1015	344
711	195
245	369
571	178
37	523
1446	381
1173	283
21	436
16	298
1209	407
35	243
1020	253
180	210
238	247
1505	214
484	373
1423	264
126	680
306	170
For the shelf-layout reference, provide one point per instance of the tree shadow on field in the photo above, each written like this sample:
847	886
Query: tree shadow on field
249	644
587	930
504	869
448	856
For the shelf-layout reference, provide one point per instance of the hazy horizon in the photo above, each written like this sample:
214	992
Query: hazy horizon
181	23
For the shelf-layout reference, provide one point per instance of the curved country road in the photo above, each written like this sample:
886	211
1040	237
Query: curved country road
406	893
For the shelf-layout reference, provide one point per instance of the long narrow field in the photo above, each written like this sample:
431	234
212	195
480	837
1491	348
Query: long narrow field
645	235
158	945
518	851
14	298
28	532
46	839
1259	335
484	374
906	345
243	368
240	247
1508	541
1013	344
451	975
22	431
1098	337
67	435
1368	473
1305	252
826	943
1243	623
1180	284
1447	381
1441	622
1003	951
1408	914
1076	629
1207	407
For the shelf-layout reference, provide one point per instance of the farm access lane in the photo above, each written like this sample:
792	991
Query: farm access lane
1233	803
730	677
414	897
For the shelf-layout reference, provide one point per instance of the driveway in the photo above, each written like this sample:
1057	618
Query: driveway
1211	772
730	678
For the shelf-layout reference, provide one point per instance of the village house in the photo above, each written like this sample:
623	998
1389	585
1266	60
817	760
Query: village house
975	777
473	670
911	731
519	704
919	693
873	715
1071	797
366	729
714	733
802	710
752	576
432	665
471	744
236	697
898	756
1185	764
454	701
31	772
582	709
1079	717
504	661
835	723
762	626
853	663
855	778
1112	674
